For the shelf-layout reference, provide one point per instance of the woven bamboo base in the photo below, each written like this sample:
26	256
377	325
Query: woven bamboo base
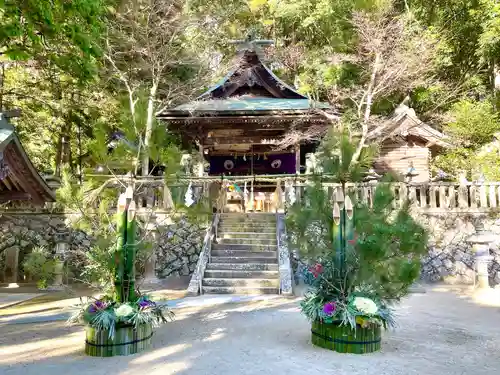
127	341
344	339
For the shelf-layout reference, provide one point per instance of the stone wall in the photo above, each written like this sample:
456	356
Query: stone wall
451	257
176	245
178	248
20	233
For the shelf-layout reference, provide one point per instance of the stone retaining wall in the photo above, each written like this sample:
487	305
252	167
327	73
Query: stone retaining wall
451	257
21	233
178	248
177	245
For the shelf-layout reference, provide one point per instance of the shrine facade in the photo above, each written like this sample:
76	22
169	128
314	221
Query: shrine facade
239	123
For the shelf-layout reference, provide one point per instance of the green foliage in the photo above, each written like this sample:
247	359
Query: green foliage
40	266
63	33
475	123
456	161
336	152
42	284
472	129
98	269
487	162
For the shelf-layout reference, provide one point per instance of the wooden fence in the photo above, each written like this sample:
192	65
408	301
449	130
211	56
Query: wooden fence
158	194
430	197
436	196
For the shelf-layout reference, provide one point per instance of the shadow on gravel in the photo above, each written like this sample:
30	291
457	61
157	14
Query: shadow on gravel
53	344
438	333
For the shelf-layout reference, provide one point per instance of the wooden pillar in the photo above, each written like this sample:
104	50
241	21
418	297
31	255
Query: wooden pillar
297	158
201	169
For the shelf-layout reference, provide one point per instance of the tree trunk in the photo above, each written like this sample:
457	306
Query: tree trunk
149	129
495	82
58	158
2	79
368	99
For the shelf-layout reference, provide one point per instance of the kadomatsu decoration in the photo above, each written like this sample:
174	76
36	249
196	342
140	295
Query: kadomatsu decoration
121	323
362	259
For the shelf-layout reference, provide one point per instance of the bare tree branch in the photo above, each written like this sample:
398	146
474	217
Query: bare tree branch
397	55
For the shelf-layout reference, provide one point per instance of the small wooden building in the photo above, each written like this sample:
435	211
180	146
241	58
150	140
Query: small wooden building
19	179
407	145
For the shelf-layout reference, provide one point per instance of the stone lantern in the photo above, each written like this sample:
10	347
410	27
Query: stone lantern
481	242
61	248
150	278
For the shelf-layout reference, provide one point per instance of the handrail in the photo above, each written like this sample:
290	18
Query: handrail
278	243
211	234
205	253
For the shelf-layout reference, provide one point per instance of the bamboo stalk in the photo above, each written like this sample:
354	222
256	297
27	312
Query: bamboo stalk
121	240
100	345
343	339
130	251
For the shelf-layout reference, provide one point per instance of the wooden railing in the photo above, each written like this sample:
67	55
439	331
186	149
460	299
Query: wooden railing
436	196
156	193
284	190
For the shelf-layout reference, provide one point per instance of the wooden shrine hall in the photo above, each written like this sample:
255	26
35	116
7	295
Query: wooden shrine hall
19	180
238	123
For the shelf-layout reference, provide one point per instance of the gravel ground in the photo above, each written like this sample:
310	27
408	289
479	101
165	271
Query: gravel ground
440	333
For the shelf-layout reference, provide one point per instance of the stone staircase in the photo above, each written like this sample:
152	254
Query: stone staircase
244	259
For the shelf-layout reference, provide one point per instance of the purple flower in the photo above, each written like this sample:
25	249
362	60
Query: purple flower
97	306
145	303
329	308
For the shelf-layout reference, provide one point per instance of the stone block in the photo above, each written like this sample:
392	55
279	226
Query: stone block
24	243
448	264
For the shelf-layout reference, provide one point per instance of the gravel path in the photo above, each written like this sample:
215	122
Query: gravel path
440	333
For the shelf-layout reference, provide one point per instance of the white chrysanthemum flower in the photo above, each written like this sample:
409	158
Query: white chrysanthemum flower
124	311
365	305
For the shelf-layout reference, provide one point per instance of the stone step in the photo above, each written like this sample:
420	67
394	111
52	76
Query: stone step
247	232
248	222
243	253
242	241
243	218
241	274
238	290
243	246
248	216
247	228
265	260
249	283
236	267
249	235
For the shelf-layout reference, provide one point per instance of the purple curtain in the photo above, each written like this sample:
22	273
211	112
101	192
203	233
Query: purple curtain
273	164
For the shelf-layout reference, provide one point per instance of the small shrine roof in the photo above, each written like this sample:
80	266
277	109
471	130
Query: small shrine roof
19	179
405	122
